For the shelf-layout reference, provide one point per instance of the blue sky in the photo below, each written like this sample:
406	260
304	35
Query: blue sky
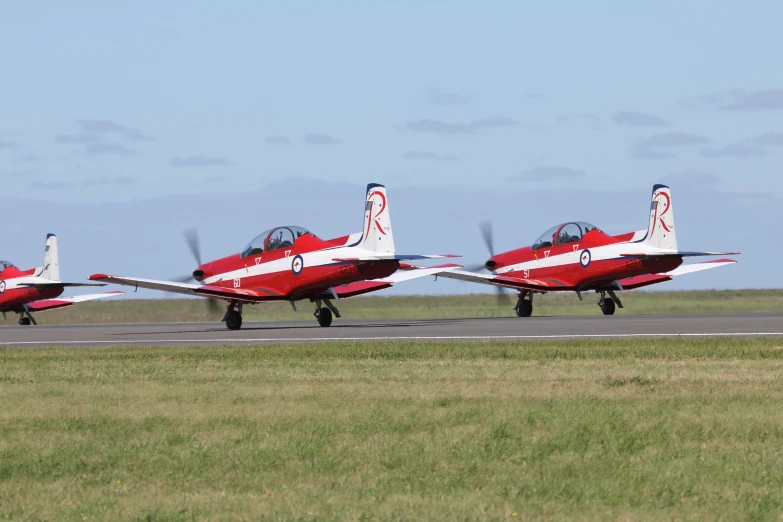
147	117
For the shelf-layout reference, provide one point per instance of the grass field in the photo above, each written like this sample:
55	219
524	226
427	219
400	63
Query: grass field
413	307
609	430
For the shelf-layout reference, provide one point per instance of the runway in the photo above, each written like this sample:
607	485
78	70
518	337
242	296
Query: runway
511	328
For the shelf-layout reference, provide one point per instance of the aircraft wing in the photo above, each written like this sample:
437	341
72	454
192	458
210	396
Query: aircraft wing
58	284
51	304
541	285
252	295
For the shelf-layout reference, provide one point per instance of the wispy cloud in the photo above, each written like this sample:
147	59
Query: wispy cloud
8	145
199	161
107	147
110	127
752	147
579	117
26	158
281	141
15	173
696	178
441	98
637	119
443	127
549	173
313	138
419	155
739	100
85	183
650	148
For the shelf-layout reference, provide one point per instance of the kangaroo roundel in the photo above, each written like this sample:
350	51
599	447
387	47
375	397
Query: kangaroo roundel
2	287
585	257
297	264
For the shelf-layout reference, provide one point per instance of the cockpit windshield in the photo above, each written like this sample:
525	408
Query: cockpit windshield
274	238
5	264
563	234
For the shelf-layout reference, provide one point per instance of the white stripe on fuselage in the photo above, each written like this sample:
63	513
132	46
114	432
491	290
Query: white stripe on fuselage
309	259
599	253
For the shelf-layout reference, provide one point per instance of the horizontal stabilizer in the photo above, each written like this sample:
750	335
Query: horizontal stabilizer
632	283
51	304
371	256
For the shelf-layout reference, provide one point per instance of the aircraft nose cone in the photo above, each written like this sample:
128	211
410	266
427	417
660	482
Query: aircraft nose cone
490	264
198	275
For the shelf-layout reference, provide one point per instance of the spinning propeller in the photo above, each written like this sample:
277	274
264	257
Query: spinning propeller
191	238
486	234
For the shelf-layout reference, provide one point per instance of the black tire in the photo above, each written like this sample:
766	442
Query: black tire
325	317
24	321
608	307
525	308
234	321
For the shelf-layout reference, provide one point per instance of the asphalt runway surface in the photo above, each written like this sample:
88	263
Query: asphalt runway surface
511	328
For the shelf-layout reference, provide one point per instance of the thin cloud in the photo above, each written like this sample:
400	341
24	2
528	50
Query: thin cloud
637	119
579	117
754	147
440	98
110	127
86	183
771	99
694	178
8	145
277	140
549	173
650	148
15	173
27	158
199	161
443	127
419	155
108	148
320	139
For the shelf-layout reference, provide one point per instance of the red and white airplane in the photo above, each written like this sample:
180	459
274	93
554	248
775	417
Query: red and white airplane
578	257
289	263
38	289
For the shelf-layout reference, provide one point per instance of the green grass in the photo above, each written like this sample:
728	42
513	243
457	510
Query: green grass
413	307
599	430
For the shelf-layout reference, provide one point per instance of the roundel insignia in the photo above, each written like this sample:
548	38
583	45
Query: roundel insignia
584	258
297	264
2	287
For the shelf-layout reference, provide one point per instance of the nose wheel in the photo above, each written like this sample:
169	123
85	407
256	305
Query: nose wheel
233	317
524	307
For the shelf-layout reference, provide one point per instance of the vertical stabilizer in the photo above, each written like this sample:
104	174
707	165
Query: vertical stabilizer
377	231
51	266
660	231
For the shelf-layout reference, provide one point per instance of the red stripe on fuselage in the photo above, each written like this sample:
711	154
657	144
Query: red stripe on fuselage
12	299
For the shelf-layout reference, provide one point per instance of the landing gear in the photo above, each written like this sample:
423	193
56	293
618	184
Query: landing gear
233	317
607	304
324	315
26	319
524	307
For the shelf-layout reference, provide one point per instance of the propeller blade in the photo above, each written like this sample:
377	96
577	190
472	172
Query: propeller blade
213	306
486	234
475	268
182	279
504	298
191	237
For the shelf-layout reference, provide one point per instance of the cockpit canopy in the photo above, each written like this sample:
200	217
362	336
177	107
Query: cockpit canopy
274	238
562	234
6	264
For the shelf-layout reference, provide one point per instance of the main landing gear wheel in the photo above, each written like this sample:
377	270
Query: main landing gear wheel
324	317
607	306
234	320
24	321
524	309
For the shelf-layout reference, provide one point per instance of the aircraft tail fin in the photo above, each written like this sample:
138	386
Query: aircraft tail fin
377	232
660	230
51	266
